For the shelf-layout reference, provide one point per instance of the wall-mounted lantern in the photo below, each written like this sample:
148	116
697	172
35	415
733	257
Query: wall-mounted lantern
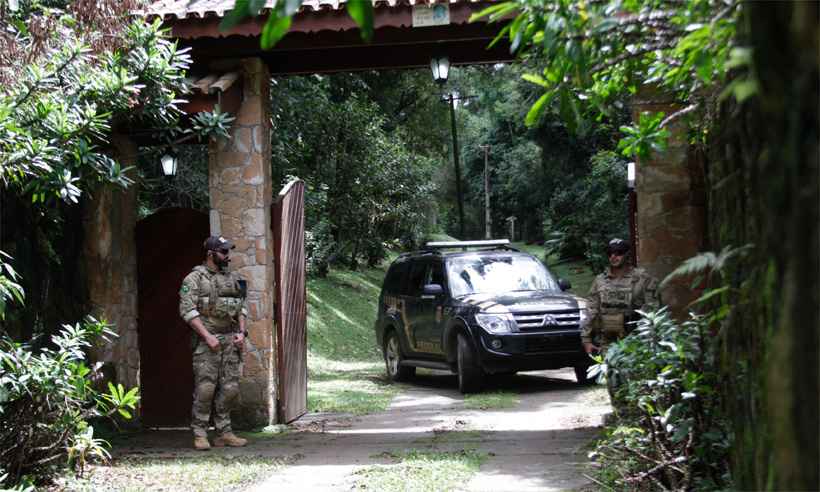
441	69
169	163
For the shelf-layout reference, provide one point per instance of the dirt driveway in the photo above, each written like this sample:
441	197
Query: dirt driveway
540	444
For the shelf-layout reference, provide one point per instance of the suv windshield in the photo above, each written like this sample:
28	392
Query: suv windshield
497	275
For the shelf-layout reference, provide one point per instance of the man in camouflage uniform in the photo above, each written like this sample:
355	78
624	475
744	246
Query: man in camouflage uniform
212	302
614	297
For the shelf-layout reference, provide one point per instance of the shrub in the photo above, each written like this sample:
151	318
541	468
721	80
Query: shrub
670	433
46	401
583	217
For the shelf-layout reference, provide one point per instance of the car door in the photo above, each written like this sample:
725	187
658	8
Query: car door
412	302
429	308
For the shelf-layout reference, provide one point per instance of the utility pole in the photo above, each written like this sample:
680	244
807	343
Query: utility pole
459	198
488	230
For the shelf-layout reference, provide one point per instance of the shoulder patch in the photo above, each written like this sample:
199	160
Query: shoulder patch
184	290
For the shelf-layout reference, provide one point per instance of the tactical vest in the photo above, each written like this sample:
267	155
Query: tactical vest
616	306
221	296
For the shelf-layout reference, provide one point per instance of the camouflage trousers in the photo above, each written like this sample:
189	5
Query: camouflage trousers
216	383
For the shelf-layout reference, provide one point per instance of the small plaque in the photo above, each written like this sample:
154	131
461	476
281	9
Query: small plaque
437	14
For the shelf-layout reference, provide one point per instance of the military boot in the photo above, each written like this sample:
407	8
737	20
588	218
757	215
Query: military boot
201	443
229	439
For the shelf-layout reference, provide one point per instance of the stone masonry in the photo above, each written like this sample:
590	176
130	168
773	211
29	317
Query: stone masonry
241	195
110	218
671	206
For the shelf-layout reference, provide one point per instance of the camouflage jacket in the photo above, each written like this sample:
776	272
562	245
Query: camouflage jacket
218	298
613	302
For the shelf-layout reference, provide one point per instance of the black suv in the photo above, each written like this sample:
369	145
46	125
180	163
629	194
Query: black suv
491	310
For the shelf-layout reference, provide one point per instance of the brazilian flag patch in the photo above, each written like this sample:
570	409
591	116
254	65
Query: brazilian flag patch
184	290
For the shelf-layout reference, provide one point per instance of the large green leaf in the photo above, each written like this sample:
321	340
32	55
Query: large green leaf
275	29
361	11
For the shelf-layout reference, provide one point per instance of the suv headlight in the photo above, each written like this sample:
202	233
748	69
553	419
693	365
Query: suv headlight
584	317
583	312
496	323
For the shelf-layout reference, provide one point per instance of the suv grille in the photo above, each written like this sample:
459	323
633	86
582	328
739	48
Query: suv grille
548	320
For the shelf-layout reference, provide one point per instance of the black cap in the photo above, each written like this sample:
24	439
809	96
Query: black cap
618	246
216	243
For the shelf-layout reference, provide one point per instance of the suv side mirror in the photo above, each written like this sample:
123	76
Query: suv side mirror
432	290
564	284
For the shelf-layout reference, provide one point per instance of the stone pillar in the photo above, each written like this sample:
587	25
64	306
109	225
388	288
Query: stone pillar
110	257
241	195
671	205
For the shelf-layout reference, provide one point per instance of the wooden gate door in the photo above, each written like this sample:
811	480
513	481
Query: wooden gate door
169	245
290	313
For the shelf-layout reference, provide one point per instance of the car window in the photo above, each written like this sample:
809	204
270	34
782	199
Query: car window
415	280
435	274
497	275
393	281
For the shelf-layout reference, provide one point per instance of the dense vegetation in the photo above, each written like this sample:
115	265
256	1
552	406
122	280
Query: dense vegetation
74	75
373	149
744	83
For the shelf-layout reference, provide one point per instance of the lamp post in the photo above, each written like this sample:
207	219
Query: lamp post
441	70
633	209
488	229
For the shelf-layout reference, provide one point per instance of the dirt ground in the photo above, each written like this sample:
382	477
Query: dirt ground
540	444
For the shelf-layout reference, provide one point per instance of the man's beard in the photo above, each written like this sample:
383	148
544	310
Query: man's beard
221	262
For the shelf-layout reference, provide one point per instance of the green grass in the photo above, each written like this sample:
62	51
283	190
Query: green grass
193	474
345	368
358	389
421	471
495	400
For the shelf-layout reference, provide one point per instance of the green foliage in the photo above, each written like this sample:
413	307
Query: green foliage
10	290
671	433
529	166
645	138
595	53
280	17
586	214
46	400
416	470
55	118
365	187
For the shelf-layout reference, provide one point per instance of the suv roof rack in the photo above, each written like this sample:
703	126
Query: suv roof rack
489	243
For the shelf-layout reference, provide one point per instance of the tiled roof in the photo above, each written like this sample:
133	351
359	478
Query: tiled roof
186	9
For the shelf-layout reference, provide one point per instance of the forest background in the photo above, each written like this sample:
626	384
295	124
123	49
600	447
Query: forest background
373	150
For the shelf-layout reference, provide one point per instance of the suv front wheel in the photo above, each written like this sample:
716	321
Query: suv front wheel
470	375
393	358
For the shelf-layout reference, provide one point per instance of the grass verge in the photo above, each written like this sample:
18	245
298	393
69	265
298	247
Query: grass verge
421	471
494	400
345	368
192	474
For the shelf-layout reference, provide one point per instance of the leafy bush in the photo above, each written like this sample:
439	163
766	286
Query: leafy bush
319	246
583	217
46	401
670	432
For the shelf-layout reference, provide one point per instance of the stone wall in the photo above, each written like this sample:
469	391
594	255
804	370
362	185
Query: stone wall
671	206
110	256
241	195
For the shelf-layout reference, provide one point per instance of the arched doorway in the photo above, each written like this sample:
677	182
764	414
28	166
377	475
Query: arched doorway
169	245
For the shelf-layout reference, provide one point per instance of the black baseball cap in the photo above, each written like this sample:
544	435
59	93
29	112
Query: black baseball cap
217	243
618	246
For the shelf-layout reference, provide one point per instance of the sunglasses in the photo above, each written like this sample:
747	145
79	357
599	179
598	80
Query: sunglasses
225	252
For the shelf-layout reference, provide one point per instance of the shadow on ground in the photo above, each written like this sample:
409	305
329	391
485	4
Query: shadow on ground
540	444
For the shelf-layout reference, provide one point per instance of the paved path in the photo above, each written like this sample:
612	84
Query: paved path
538	445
